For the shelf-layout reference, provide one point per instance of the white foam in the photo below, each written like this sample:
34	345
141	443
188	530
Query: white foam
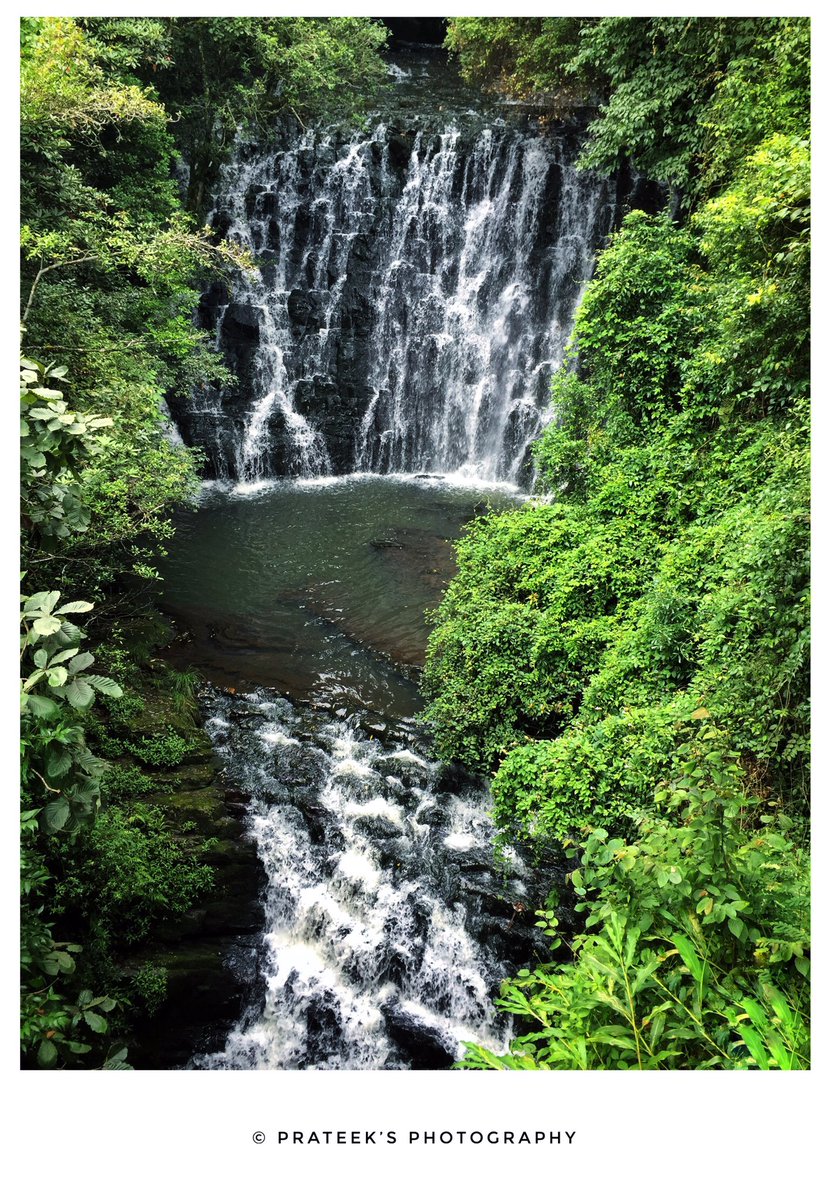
459	841
360	869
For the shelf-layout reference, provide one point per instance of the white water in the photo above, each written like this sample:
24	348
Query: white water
416	309
367	921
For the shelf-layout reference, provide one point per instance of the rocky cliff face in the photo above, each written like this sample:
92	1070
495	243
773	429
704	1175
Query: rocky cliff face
414	290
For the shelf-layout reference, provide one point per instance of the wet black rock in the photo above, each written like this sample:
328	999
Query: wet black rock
378	826
304	310
241	323
426	1045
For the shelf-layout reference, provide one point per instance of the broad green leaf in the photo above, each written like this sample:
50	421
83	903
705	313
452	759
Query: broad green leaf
64	656
755	1011
81	662
47	1054
42	706
105	685
45	626
689	957
78	693
34	678
48	601
56	814
778	1002
95	1021
58	961
492	1060
643	975
33	604
755	1046
58	761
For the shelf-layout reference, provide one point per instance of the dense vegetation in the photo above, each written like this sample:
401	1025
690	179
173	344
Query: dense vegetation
627	655
113	261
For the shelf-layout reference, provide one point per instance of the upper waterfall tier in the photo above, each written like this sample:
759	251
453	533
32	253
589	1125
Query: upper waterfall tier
414	291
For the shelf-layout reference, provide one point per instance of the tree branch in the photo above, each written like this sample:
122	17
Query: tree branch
72	262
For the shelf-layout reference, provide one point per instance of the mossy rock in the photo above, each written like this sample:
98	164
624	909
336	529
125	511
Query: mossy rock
204	808
187	777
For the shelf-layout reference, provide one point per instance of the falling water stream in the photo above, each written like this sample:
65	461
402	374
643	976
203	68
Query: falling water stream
414	290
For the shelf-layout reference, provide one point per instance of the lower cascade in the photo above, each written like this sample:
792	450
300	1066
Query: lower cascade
386	914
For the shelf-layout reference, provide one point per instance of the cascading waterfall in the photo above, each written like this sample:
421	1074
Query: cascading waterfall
413	293
385	933
473	309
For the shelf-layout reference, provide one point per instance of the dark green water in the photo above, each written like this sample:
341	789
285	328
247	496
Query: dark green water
319	588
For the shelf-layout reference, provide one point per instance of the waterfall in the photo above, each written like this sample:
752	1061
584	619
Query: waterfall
413	293
386	911
475	303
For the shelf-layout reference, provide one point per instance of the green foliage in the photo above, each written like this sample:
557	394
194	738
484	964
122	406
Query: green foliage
125	784
695	951
671	569
635	324
663	579
547	790
55	446
128	872
520	55
56	757
163	749
54	1032
220	75
183	687
684	98
150	984
111	267
60	779
756	237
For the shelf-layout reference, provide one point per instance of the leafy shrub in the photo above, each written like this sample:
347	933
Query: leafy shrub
161	750
183	688
128	872
167	749
546	791
150	984
695	952
124	784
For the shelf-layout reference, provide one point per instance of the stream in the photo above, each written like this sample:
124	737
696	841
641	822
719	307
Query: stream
389	919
